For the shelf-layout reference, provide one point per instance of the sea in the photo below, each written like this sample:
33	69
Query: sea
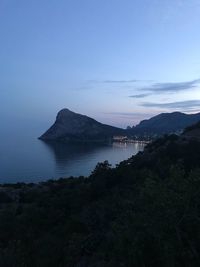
25	158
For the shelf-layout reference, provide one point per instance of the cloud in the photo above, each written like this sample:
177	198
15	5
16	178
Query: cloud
133	115
189	104
129	114
140	95
172	86
121	81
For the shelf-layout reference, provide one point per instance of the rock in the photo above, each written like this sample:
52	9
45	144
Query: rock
70	126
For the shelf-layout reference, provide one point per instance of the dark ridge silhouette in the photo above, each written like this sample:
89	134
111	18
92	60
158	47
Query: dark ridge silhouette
165	123
70	126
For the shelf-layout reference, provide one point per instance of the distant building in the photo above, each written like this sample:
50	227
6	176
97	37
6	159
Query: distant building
120	138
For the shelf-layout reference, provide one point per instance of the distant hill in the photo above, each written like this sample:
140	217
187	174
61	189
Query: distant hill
70	126
165	123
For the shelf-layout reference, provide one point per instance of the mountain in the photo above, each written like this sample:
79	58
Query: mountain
165	123
70	126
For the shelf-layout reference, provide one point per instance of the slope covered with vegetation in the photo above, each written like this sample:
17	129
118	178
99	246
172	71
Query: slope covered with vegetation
165	123
144	212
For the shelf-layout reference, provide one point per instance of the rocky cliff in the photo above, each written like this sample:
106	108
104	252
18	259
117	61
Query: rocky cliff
70	126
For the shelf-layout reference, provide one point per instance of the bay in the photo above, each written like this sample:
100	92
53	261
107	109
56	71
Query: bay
27	159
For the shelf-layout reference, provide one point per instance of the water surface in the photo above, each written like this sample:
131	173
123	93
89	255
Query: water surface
27	159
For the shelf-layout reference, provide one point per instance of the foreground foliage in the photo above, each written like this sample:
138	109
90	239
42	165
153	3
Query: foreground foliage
145	212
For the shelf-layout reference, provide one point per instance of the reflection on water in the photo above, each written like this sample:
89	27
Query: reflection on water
63	153
32	160
81	159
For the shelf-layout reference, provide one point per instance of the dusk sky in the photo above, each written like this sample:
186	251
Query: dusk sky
118	61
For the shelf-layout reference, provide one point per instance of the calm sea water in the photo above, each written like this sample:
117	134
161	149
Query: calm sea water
27	159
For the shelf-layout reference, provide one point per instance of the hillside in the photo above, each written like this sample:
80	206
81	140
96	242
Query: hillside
144	212
70	126
192	131
165	123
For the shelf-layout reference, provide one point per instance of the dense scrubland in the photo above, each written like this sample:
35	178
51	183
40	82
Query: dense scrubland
144	212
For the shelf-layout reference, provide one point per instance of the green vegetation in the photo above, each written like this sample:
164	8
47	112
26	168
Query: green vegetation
145	212
192	127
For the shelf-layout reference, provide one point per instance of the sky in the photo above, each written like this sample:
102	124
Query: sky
118	61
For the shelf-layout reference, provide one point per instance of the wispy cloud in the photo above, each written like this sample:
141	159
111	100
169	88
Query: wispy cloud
189	104
140	95
172	86
121	81
132	118
129	114
144	88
